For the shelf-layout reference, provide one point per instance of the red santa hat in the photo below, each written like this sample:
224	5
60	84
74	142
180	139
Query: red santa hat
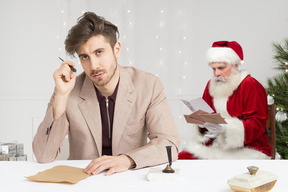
225	51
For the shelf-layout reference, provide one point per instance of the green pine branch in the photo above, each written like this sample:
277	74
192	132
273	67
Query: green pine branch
281	55
278	89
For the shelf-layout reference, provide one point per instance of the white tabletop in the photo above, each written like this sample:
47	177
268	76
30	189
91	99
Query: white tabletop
195	175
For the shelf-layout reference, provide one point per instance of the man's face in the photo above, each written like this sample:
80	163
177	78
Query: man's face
98	59
222	71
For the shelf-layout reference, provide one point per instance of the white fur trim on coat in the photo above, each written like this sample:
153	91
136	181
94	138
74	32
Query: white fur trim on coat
213	152
233	137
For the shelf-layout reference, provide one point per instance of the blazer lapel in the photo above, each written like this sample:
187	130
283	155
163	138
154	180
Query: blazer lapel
124	102
91	111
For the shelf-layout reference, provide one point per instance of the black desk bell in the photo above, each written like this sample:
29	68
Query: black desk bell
168	168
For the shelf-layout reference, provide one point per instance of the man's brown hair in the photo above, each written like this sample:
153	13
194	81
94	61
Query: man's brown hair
88	25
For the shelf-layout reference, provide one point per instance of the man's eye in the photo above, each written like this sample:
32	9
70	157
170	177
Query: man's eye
84	57
99	52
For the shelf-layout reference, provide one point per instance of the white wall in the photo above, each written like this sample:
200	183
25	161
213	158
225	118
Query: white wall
165	37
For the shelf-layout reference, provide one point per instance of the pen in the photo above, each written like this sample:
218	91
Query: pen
72	68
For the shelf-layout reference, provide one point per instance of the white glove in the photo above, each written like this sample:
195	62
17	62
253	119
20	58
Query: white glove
214	129
201	125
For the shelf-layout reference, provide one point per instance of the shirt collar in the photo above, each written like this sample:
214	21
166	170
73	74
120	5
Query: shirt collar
111	97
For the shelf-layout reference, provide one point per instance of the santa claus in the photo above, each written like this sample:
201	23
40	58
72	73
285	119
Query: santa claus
241	100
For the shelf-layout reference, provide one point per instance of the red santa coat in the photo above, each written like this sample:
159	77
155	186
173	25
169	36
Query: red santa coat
243	104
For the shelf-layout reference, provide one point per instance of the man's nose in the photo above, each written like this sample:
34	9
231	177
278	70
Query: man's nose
217	73
94	63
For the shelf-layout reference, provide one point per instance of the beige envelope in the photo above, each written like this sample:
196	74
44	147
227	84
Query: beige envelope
201	117
60	174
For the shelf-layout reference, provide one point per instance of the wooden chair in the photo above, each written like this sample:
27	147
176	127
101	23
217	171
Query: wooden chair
271	126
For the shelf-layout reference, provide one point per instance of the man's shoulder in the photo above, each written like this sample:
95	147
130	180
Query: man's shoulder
137	74
250	83
142	81
251	80
133	70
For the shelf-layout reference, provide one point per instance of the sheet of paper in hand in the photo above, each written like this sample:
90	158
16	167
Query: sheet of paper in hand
202	112
198	104
60	174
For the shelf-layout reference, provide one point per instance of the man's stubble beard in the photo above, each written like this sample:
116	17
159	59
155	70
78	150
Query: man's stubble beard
99	82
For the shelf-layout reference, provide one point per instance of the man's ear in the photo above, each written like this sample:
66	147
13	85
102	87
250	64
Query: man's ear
117	49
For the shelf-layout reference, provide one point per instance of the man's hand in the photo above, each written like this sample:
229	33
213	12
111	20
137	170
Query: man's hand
114	164
214	129
64	79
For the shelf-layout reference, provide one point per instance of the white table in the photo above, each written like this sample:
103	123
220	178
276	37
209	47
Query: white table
195	175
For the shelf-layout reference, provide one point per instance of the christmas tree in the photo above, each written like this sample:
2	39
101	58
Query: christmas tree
277	88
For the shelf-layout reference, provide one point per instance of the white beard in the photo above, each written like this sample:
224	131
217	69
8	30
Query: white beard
223	88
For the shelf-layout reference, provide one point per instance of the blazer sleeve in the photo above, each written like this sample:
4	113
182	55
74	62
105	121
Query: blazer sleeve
162	132
49	136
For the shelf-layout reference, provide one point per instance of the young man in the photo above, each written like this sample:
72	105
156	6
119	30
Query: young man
241	100
108	111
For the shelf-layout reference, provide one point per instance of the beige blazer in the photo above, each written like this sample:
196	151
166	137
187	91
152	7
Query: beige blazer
141	112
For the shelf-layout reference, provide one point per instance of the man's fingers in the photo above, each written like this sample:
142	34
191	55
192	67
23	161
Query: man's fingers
97	165
94	161
69	63
98	168
66	73
110	172
113	164
88	169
